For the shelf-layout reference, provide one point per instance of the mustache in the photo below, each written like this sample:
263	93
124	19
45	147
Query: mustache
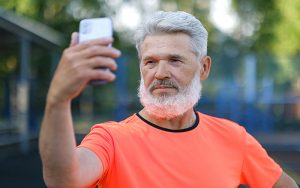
164	83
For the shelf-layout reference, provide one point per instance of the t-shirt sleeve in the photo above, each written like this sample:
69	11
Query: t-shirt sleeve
259	170
100	141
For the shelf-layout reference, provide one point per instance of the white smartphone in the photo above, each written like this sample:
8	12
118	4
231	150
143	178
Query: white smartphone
94	28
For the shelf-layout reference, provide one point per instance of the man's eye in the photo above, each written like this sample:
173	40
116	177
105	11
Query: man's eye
149	62
174	60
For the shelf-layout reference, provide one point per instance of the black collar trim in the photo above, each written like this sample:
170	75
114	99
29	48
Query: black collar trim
171	130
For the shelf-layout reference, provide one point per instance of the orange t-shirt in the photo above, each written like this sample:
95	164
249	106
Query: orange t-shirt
212	153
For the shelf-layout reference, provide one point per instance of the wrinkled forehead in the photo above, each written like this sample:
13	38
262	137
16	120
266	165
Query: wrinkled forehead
177	43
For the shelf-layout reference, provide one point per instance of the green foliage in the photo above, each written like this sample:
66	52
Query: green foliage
63	16
277	32
287	30
278	29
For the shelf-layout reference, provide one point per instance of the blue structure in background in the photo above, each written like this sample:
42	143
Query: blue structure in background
26	33
242	103
121	84
250	92
267	121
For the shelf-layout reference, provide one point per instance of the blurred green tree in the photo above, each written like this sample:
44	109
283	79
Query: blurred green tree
274	34
63	16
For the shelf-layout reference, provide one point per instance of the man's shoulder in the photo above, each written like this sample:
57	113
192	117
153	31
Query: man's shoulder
223	131
110	125
219	123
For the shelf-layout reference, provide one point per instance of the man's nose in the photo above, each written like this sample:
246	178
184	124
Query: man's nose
162	71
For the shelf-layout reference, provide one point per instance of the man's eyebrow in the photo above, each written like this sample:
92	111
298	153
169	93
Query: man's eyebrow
170	56
147	58
176	56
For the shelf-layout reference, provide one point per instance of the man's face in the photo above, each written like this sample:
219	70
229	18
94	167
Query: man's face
170	83
167	59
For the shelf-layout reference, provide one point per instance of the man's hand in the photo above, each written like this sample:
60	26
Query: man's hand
79	64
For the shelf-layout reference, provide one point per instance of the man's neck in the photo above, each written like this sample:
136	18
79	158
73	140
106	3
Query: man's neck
181	122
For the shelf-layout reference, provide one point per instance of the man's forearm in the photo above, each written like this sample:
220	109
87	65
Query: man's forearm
57	144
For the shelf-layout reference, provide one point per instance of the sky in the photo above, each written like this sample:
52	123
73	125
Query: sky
222	16
129	15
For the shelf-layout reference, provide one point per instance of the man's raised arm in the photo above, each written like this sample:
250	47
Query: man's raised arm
65	165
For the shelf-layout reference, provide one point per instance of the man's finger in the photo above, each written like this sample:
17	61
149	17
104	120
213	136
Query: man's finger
102	62
100	42
102	74
99	51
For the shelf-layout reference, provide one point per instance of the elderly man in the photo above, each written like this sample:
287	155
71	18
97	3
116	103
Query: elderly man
167	143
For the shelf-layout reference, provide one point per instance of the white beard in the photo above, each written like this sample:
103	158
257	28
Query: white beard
171	106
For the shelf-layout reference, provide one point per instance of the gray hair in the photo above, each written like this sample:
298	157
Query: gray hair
174	22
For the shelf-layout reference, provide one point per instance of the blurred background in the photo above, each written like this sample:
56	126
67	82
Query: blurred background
255	80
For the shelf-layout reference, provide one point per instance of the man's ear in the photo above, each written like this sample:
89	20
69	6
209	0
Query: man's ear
205	67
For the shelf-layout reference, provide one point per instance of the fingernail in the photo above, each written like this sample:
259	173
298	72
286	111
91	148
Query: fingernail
118	52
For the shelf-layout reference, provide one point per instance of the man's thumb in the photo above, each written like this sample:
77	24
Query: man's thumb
74	39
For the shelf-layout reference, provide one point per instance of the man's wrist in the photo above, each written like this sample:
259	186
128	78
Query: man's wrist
53	103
